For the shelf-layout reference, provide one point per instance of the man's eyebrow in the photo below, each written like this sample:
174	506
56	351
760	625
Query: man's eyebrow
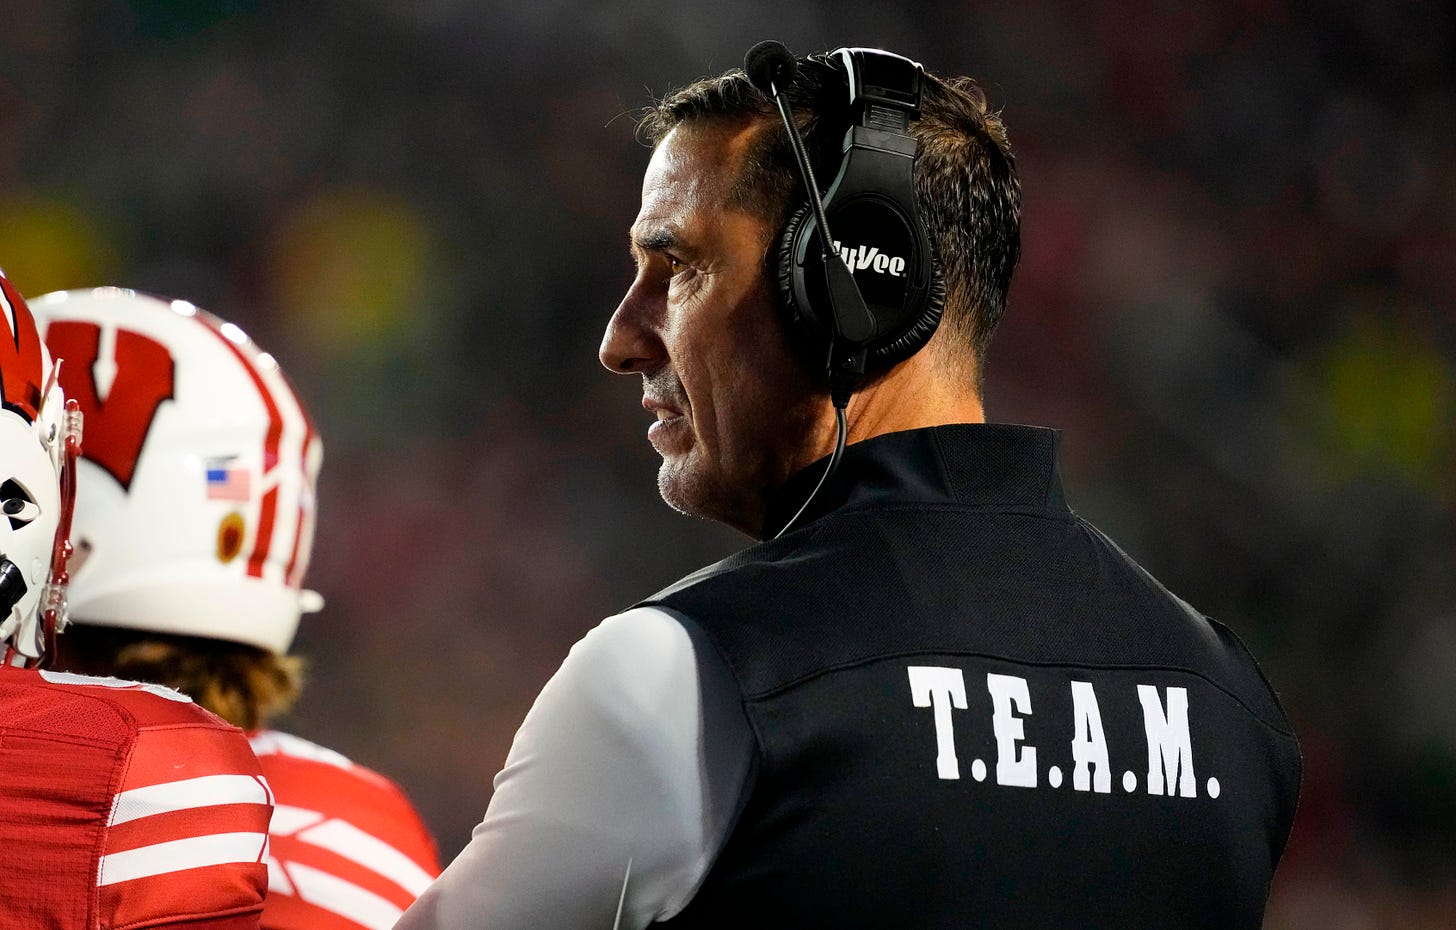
656	240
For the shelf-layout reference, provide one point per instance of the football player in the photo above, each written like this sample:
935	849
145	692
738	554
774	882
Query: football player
121	804
194	525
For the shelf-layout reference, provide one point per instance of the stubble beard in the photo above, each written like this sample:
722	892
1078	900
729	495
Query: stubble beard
734	492
689	487
697	485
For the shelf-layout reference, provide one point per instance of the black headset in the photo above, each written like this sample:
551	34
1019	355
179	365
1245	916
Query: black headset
871	293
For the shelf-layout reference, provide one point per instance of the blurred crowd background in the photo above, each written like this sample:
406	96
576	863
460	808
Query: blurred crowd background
1237	298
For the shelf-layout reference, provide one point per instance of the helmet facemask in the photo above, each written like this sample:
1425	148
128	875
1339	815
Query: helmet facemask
40	438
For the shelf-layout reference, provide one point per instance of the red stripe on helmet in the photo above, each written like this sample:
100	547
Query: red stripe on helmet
288	576
265	534
20	358
264	539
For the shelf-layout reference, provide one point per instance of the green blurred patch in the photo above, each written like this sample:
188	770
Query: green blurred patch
49	245
1390	398
352	267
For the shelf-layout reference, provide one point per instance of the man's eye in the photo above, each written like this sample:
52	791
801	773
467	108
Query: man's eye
674	265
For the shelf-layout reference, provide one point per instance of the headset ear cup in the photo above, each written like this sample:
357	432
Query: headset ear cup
914	338
801	321
810	332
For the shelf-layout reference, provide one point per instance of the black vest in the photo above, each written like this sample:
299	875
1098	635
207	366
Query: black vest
972	709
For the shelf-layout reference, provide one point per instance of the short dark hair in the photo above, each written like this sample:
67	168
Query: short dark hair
965	174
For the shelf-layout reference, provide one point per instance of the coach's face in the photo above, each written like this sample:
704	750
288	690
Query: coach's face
735	413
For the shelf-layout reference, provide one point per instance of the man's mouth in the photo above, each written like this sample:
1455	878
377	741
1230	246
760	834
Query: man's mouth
666	422
669	429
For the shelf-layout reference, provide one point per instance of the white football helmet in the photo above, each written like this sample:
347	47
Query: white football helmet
195	506
35	485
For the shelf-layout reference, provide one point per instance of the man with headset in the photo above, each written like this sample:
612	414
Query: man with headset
932	696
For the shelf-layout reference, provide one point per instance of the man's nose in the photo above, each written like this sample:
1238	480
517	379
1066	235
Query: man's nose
631	344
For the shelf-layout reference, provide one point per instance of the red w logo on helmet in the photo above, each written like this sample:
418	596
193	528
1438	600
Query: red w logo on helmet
116	426
20	361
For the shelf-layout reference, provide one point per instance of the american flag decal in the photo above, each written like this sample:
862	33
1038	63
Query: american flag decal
227	481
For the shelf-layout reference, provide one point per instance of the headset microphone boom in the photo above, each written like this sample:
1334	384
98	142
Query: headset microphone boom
886	317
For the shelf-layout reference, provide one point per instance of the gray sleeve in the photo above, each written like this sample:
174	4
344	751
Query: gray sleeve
620	788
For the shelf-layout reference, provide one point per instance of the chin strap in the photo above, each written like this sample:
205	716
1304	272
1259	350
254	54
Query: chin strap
53	595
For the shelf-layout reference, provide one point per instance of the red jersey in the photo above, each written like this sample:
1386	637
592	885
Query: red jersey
125	805
349	851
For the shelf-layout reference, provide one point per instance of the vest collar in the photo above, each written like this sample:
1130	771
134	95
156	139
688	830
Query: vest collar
965	464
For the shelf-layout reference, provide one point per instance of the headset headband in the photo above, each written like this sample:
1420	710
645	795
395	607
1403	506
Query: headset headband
880	79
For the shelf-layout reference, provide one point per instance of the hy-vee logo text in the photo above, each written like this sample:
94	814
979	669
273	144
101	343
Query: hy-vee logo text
860	258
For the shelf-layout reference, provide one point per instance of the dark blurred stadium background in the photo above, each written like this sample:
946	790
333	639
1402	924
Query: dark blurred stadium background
1236	298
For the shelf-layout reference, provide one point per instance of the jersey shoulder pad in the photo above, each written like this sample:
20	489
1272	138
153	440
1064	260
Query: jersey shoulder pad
345	840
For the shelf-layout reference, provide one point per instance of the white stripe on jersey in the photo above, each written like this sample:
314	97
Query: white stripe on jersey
278	882
346	899
344	839
121	684
274	742
288	820
190	793
178	855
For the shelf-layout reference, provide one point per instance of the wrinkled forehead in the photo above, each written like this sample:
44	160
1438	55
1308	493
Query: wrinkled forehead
695	169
